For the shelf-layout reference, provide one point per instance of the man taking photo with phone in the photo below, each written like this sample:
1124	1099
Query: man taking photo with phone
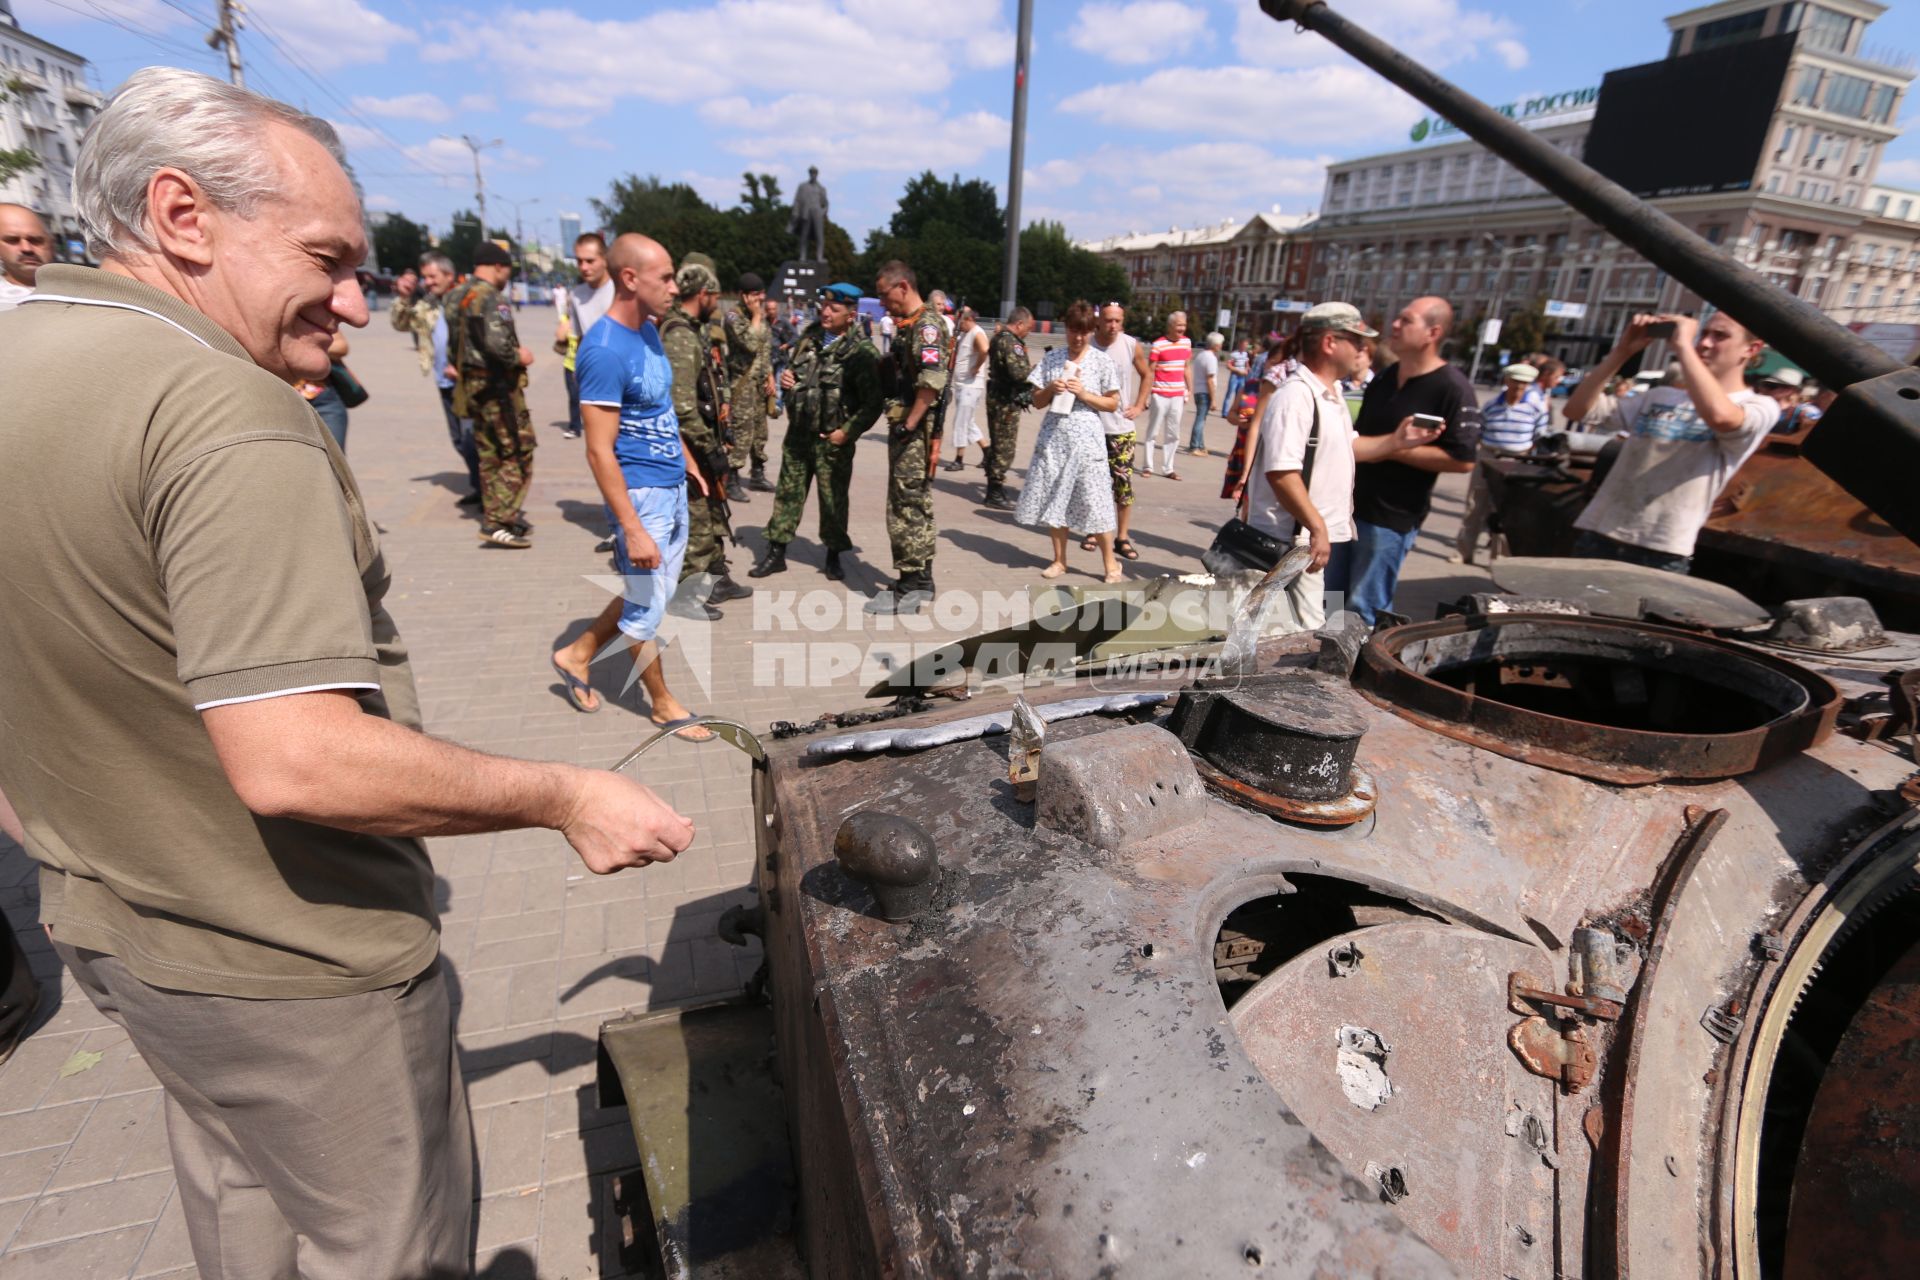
1683	443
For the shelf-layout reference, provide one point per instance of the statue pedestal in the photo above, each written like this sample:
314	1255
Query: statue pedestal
796	281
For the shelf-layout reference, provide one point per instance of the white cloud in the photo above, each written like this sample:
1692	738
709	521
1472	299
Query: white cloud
1899	171
145	13
562	120
343	33
589	142
408	106
1138	32
1513	53
477	102
450	156
1328	106
357	137
869	134
558	59
1436	32
1054	175
1128	189
382	204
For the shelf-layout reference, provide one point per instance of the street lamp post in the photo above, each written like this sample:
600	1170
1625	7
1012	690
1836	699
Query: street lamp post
519	229
479	182
1499	298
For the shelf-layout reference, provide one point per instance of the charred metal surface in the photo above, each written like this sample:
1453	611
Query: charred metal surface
1118	788
1341	811
1616	589
1039	1075
893	857
1293	736
1604	699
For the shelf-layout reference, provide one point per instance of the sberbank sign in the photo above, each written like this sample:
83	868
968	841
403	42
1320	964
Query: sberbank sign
1548	104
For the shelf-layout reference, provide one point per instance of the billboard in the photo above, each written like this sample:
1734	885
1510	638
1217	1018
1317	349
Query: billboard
1692	125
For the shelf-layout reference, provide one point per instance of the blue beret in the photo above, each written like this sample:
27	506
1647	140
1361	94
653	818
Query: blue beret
842	293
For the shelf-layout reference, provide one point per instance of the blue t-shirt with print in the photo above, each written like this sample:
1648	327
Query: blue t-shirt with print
627	369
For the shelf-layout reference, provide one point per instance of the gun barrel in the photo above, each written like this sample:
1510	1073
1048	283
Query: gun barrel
1834	354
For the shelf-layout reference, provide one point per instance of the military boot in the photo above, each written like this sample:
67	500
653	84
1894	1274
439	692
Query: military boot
991	496
737	487
774	560
908	595
725	589
759	479
1004	500
833	570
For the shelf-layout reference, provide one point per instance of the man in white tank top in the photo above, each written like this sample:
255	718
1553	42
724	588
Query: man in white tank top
969	389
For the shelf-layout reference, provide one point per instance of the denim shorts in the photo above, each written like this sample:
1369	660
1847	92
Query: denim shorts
663	514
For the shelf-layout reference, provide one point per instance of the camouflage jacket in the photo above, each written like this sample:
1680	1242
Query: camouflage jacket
749	354
836	385
1007	370
920	356
699	390
482	342
784	338
417	315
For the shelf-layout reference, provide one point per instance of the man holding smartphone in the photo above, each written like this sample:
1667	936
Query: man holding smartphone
1683	443
1393	492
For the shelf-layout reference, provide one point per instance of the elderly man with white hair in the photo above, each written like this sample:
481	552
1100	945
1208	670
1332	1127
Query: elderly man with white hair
213	743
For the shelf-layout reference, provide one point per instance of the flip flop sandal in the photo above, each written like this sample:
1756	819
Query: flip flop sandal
1088	543
684	720
1125	549
576	690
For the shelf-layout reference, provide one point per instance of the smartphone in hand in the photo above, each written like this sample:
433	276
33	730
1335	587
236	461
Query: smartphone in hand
1664	329
1432	421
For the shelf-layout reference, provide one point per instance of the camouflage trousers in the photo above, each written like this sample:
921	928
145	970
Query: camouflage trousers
708	528
803	459
749	423
910	526
1003	436
503	441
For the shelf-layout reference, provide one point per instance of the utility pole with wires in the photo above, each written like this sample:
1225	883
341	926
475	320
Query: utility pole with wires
224	36
479	182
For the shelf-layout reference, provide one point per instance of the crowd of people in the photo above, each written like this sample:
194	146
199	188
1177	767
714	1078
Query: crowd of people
276	964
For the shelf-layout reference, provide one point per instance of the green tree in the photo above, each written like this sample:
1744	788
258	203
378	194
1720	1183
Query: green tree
16	160
398	243
1525	331
971	208
1054	270
464	237
751	236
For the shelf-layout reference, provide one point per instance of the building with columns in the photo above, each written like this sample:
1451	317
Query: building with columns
1762	130
47	100
1241	268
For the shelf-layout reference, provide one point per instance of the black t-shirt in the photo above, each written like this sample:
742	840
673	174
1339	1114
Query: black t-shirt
1393	494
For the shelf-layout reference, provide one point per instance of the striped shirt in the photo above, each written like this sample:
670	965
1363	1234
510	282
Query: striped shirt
1168	358
1510	428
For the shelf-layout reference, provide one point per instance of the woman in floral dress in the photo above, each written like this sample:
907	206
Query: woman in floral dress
1067	484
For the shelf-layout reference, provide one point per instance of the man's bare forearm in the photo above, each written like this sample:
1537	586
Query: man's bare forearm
1429	457
317	757
1580	402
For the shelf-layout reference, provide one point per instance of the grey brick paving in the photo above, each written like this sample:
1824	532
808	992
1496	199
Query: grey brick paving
541	951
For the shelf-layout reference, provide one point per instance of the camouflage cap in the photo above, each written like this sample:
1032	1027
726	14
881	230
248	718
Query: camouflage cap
696	275
1341	317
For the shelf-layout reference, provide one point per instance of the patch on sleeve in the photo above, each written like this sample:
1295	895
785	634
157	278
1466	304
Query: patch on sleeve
930	333
929	355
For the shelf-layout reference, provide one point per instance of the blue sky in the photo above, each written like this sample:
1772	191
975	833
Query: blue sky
1142	114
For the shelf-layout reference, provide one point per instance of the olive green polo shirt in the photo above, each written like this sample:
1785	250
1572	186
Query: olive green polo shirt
183	534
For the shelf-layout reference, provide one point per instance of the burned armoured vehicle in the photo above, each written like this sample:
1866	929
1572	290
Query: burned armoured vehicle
1525	942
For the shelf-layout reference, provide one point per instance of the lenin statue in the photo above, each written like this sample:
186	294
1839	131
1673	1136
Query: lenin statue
810	217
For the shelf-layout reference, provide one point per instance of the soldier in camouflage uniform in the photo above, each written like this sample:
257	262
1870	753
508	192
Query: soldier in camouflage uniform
1008	394
916	387
485	351
833	393
419	309
750	382
700	402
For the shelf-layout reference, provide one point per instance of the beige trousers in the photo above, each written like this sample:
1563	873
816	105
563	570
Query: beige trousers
312	1139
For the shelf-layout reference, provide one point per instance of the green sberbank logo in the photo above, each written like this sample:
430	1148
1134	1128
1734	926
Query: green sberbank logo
1547	104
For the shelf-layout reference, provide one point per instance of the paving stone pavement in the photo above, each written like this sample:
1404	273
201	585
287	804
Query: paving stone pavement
541	951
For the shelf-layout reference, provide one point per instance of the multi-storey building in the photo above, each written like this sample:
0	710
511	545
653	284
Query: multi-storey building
1239	268
46	103
1761	130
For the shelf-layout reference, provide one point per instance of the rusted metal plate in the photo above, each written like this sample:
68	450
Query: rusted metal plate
1856	1191
1469	1134
1598	697
1615	589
